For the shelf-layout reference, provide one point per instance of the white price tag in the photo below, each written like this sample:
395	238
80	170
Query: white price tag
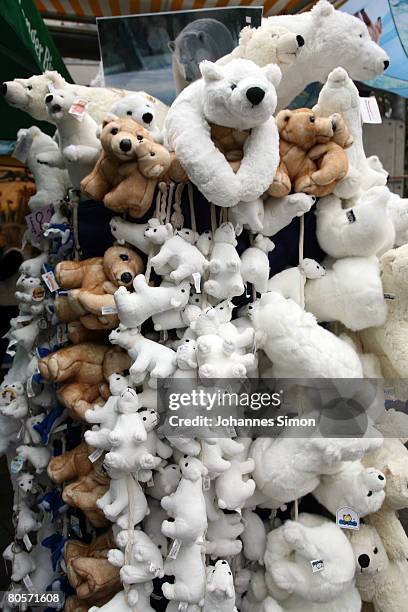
197	281
27	542
50	280
108	310
206	483
95	455
16	465
347	518
22	148
174	550
28	583
78	108
370	113
317	565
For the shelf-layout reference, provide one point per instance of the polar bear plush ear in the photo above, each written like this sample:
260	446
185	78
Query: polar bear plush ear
210	72
273	74
55	79
245	35
322	9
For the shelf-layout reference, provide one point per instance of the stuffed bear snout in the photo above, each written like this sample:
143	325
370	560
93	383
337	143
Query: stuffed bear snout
255	95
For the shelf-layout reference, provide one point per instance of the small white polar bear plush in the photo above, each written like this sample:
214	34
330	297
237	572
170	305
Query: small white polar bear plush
352	486
26	483
165	481
215	453
27	520
184	259
379	580
77	140
253	536
289	577
351	292
45	163
282	480
30	295
26	335
135	308
240	96
233	487
189	572
225	279
290	283
360	231
219	590
33	266
140	109
115	502
133	233
38	456
186	506
104	417
332	38
268	44
23	563
221	539
340	95
144	560
297	345
13	400
255	263
149	356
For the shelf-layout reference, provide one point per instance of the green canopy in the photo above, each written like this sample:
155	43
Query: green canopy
26	48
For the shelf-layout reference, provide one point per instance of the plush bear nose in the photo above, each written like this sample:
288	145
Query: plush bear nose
4	88
49	98
147	117
300	40
126	278
125	144
255	95
380	477
364	561
386	64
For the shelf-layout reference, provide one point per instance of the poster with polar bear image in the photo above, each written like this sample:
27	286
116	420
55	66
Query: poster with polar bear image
160	52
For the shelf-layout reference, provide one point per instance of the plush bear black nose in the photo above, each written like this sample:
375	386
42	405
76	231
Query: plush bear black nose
364	561
386	64
126	278
4	89
125	144
49	98
147	117
300	40
380	477
255	95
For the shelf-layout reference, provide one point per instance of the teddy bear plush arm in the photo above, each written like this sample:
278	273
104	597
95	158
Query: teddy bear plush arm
189	136
260	162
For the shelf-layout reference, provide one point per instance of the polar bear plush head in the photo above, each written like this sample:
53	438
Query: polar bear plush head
270	44
192	468
137	107
240	94
369	552
149	417
117	383
220	582
128	402
28	94
58	103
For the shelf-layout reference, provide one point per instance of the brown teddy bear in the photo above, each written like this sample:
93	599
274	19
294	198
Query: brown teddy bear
312	156
71	464
89	571
92	283
129	168
85	369
84	492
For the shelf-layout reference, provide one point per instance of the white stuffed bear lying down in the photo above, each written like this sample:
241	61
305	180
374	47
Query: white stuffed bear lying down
241	96
28	95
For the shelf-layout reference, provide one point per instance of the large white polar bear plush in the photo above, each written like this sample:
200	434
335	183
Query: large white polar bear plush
240	96
28	95
332	38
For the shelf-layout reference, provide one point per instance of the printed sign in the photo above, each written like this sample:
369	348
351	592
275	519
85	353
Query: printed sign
347	518
36	220
370	113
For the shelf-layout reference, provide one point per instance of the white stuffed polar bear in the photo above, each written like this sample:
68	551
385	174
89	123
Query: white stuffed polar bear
44	160
363	230
225	280
38	456
219	591
145	560
268	44
28	95
332	38
240	96
115	502
77	140
290	283
139	107
297	345
23	563
340	95
287	468
189	572
350	292
353	486
289	577
255	263
222	534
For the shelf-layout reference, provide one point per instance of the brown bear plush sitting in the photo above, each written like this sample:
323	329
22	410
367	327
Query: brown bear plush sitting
92	283
129	168
85	369
312	156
